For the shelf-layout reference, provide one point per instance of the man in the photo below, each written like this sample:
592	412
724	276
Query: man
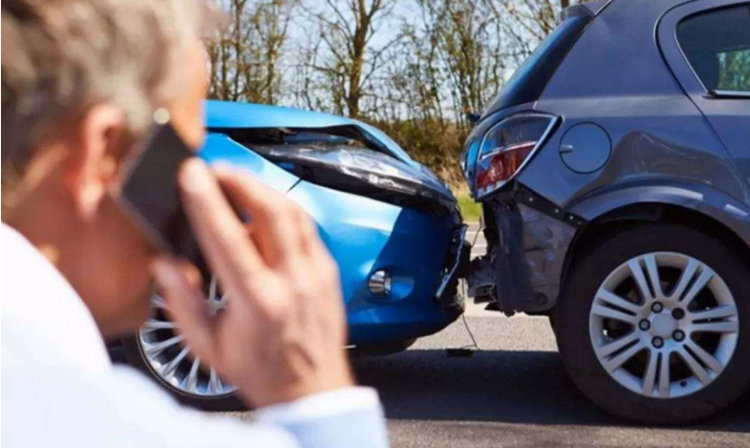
81	80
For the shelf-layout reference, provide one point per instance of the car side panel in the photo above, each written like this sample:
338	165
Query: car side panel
705	199
625	87
730	117
731	120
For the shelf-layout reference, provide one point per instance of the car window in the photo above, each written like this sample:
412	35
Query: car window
717	45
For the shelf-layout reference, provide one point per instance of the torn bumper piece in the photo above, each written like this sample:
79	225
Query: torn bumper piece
523	269
455	266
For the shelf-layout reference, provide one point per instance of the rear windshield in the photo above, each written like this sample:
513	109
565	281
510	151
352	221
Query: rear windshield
528	82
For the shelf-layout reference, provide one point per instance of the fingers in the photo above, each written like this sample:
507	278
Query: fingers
285	233
221	235
283	230
186	306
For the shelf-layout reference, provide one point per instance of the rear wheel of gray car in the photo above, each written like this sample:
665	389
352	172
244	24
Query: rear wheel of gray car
652	324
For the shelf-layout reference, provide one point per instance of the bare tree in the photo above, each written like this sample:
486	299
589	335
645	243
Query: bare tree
470	54
410	85
246	56
225	52
412	67
348	60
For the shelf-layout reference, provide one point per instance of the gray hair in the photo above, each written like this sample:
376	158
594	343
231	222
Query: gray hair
61	57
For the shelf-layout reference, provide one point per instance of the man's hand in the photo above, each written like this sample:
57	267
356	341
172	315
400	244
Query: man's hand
282	333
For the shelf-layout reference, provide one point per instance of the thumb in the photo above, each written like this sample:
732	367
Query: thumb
186	306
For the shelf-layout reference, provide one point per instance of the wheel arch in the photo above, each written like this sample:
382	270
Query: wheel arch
703	208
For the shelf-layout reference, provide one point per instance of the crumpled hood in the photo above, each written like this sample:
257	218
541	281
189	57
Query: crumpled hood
385	166
227	114
364	172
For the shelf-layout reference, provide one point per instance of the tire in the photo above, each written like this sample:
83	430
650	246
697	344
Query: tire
578	320
135	357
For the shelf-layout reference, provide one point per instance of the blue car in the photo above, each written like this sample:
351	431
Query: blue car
392	225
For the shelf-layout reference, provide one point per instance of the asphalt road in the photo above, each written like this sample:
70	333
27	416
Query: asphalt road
511	392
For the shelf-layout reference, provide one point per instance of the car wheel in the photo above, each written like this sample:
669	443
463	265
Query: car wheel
652	324
158	350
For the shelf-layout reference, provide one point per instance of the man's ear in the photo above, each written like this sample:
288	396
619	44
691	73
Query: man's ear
93	159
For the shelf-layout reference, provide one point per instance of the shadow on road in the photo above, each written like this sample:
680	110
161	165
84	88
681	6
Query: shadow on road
498	386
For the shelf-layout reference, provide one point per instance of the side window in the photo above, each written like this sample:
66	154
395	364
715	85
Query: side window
717	46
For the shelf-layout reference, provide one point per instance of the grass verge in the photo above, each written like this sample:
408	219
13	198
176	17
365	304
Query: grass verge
470	210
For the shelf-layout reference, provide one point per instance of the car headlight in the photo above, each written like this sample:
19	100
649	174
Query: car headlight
507	146
364	172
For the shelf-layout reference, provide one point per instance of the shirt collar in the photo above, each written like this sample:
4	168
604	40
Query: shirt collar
38	303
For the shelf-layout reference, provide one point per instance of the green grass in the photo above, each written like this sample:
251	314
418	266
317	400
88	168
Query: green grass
470	210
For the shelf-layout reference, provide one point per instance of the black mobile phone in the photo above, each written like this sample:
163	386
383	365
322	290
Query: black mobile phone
151	197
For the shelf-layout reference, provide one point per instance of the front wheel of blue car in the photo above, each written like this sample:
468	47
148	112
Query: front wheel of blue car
159	350
652	323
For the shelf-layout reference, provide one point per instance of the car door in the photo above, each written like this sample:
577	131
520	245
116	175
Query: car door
707	46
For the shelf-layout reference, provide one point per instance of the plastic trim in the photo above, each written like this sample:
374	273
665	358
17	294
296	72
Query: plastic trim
446	280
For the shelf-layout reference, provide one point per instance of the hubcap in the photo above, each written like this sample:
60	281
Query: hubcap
664	325
161	346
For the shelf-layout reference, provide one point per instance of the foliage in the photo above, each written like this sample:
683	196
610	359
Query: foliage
432	142
414	68
735	71
246	55
470	210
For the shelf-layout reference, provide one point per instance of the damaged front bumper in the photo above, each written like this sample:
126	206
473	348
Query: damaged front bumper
528	240
454	268
392	225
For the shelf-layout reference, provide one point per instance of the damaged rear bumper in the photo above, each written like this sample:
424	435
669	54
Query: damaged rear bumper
528	241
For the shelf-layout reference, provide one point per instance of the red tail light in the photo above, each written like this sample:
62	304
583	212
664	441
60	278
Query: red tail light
503	165
506	147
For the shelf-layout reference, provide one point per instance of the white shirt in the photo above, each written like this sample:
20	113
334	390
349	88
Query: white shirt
59	387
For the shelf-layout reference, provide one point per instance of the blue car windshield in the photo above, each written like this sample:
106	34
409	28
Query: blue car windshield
528	82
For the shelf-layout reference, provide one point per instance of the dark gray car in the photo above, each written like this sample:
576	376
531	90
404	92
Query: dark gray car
614	173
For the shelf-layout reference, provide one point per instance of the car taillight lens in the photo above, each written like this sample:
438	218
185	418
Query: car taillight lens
506	147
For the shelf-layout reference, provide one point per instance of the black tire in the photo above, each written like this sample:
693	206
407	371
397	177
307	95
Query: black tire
134	356
571	319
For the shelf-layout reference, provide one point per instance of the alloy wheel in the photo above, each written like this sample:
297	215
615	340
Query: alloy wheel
664	325
162	347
